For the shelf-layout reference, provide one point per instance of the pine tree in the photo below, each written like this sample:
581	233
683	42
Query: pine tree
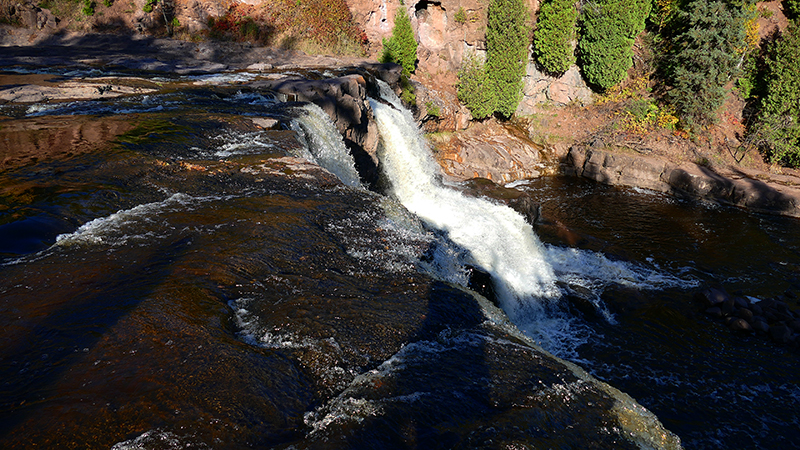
507	40
706	54
401	48
555	34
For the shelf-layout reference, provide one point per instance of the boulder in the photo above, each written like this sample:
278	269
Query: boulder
740	325
497	151
745	314
712	297
539	88
760	325
781	334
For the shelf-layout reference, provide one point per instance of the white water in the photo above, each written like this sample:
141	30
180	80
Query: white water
529	277
497	237
324	145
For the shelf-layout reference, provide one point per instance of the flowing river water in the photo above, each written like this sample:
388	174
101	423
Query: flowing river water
174	276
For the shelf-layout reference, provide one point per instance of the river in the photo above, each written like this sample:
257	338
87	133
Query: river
174	276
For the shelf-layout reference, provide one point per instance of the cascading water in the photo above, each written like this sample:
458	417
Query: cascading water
324	144
498	239
528	275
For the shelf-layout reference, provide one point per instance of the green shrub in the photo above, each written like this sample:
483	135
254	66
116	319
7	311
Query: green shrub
432	109
607	32
88	8
792	8
472	88
779	118
461	16
507	40
148	7
407	93
554	35
401	48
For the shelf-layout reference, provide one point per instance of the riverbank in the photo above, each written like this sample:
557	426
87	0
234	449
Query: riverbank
571	140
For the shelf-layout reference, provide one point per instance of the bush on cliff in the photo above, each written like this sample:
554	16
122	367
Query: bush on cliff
472	88
507	40
401	48
779	120
496	85
554	36
607	32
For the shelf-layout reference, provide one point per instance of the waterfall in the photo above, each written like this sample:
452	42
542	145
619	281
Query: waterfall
529	277
498	239
323	144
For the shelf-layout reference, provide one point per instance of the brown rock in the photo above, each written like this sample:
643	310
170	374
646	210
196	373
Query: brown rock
780	334
744	313
740	325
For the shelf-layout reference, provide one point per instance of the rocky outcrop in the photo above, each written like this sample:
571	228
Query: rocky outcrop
775	318
540	88
29	15
497	151
754	190
346	100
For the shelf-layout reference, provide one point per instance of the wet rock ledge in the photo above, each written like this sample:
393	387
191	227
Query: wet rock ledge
746	188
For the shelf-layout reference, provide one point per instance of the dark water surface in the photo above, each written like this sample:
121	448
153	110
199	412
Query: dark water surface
714	388
187	283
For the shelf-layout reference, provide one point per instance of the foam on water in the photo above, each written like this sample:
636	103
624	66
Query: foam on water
117	229
237	143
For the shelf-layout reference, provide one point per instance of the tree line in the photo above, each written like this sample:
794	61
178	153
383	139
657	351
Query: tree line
702	49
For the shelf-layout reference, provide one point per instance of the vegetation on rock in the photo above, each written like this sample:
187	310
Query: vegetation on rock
472	88
293	24
507	38
401	48
778	124
708	45
554	35
496	85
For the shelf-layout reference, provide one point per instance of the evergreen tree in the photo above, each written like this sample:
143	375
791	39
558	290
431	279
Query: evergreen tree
554	35
706	54
607	32
472	89
507	39
779	118
401	48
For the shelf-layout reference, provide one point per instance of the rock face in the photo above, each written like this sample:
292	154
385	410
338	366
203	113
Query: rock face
540	88
345	100
743	188
498	152
449	31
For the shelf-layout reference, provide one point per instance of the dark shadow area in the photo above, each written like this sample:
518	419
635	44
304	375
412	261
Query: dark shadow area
68	320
